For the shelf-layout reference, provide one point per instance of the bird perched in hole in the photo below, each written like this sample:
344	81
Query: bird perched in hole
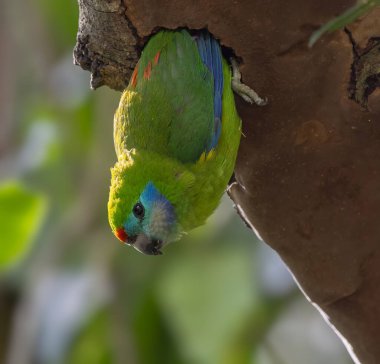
176	134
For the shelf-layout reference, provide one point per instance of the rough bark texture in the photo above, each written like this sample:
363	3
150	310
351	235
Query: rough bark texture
107	44
308	170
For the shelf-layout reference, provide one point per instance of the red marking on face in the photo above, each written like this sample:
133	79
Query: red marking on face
148	71
121	234
156	57
134	76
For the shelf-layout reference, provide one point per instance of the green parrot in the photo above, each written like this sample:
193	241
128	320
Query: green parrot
176	134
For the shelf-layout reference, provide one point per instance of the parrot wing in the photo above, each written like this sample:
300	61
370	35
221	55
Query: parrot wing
177	88
211	55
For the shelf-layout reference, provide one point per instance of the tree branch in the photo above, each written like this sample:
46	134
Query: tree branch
107	43
308	171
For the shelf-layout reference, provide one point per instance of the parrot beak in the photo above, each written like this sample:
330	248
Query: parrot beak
141	243
148	246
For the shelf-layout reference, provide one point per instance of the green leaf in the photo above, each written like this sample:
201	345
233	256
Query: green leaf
21	214
349	16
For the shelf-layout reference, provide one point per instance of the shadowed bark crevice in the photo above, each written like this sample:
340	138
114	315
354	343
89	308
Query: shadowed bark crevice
365	70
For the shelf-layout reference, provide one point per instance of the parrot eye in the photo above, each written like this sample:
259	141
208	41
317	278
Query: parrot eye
138	210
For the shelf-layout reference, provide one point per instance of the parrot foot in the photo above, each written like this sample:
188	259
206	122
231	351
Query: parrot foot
243	90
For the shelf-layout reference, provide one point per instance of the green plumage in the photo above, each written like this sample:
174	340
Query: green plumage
162	128
174	107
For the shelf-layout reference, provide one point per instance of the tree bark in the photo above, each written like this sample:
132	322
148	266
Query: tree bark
308	170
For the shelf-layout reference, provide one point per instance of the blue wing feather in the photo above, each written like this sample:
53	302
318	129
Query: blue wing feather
211	55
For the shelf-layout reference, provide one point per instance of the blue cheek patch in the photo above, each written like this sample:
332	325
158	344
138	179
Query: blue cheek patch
151	199
132	226
151	196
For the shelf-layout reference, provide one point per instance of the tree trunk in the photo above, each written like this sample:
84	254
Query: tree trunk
308	170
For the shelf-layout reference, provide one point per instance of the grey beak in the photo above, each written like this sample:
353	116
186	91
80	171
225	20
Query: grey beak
147	246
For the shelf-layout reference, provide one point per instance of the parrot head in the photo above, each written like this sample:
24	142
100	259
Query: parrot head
143	203
150	223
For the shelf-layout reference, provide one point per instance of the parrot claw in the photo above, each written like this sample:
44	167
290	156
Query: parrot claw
243	90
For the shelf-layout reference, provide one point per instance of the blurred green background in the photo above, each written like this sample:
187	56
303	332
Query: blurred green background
69	293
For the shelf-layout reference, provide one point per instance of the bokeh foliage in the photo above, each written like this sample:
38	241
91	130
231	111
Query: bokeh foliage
21	215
